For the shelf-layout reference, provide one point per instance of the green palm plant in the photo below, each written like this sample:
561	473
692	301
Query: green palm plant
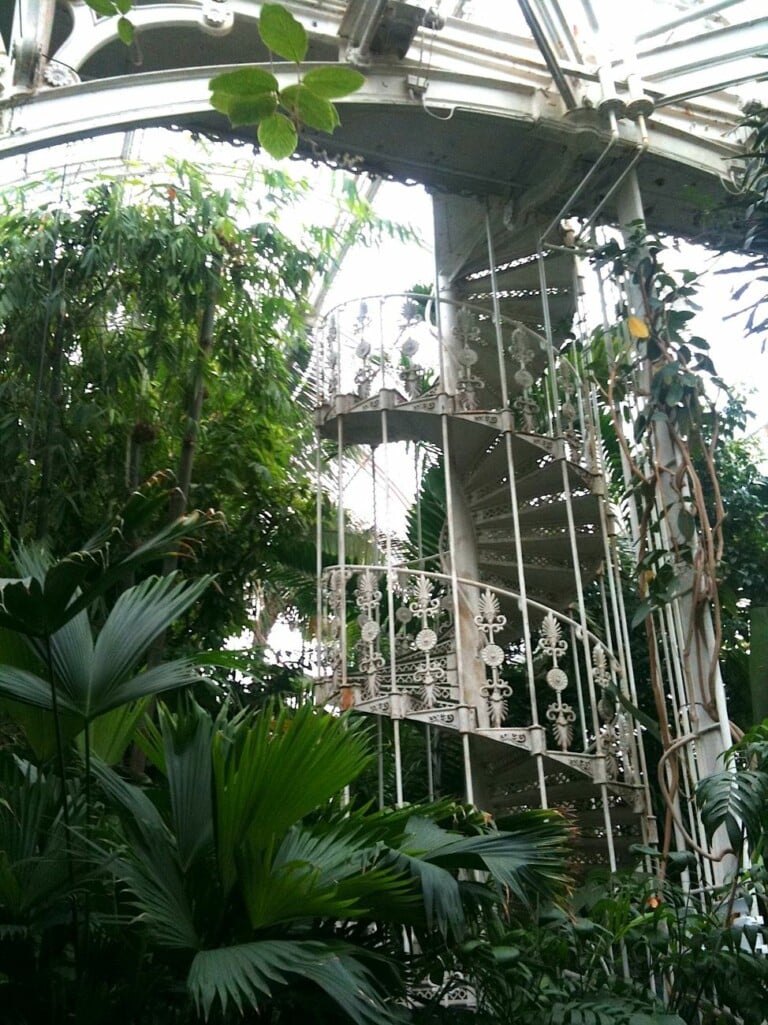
256	879
66	665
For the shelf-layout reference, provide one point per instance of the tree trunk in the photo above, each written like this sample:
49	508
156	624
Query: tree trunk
53	412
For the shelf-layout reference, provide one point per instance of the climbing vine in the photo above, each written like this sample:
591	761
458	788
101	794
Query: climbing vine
658	380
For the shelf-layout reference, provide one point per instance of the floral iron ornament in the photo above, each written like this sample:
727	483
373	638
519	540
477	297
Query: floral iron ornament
367	599
428	608
496	691
562	716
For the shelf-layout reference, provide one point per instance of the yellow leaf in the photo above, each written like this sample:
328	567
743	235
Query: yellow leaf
638	328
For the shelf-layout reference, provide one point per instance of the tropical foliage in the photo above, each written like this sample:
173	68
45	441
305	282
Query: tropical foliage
252	96
631	950
155	326
235	876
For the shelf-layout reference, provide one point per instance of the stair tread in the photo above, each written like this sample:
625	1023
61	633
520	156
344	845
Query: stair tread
557	549
543	480
527	452
520	274
585	511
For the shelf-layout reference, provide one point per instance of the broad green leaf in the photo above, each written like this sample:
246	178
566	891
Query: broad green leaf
333	82
149	869
105	7
221	102
39	726
251	110
245	82
643	610
125	31
282	33
187	750
30	689
309	108
111	733
124	6
307	757
735	800
277	135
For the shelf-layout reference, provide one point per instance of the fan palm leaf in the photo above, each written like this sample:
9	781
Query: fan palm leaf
308	758
92	678
241	974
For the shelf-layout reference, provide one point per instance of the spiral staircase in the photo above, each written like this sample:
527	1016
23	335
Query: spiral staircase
510	633
488	636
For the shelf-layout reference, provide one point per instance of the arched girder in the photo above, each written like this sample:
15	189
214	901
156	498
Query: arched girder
495	138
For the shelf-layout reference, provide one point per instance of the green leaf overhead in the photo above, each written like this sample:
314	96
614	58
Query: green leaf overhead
333	82
245	82
104	7
277	135
125	31
251	110
282	33
309	108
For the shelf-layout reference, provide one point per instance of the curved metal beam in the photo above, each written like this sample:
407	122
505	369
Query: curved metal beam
181	96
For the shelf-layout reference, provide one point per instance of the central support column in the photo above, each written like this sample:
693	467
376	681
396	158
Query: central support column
456	215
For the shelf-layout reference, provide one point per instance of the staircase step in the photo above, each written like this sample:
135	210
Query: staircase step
557	794
545	515
528	451
551	585
595	818
544	480
521	274
555	549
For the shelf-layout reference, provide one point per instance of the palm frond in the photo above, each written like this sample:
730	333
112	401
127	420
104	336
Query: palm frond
242	974
148	866
187	749
527	854
139	615
111	733
308	757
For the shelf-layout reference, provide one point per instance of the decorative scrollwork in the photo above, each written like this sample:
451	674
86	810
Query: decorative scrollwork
569	410
551	641
522	354
616	730
371	661
427	608
332	356
468	338
490	621
528	413
553	645
562	717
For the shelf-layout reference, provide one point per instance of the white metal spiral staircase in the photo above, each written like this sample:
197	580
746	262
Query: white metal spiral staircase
484	636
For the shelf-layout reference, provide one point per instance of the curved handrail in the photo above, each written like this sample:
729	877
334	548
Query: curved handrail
504	592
